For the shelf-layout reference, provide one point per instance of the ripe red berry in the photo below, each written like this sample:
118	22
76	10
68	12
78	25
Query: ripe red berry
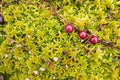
82	35
1	19
93	39
69	28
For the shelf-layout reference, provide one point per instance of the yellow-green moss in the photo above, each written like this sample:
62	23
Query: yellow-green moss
32	37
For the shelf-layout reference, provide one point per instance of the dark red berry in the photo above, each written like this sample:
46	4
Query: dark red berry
1	19
82	35
93	39
69	28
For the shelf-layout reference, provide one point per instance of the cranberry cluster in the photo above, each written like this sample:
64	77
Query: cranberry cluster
83	35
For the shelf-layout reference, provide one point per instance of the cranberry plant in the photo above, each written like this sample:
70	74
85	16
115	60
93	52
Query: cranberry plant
60	40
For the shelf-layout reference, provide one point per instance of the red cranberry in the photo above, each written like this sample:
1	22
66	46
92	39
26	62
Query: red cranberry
69	28
1	19
93	39
82	35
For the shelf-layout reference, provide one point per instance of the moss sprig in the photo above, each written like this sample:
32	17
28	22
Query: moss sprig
34	44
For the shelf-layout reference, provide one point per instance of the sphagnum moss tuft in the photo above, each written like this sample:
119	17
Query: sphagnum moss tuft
35	46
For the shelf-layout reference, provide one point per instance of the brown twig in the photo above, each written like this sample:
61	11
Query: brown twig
108	44
99	28
54	11
86	50
77	29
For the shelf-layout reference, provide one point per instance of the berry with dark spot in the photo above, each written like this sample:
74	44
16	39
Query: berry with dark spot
93	39
82	35
69	28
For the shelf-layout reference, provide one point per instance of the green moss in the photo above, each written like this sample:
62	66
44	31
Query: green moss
32	37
